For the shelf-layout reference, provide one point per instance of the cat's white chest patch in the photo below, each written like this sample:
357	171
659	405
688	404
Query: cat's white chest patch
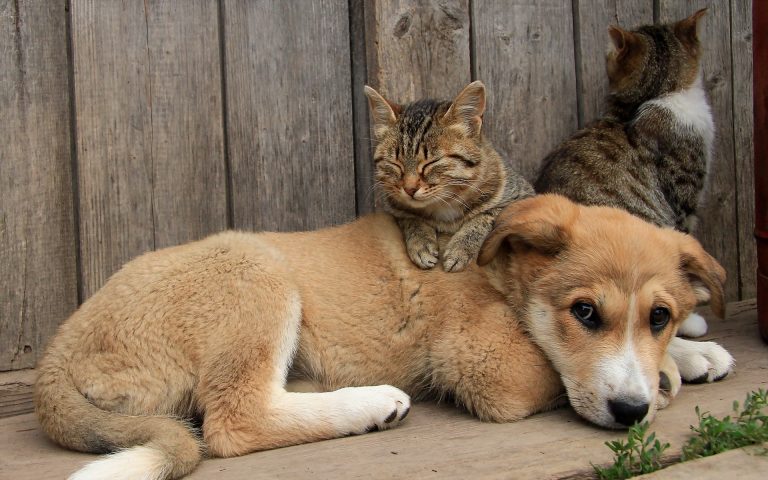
446	214
691	109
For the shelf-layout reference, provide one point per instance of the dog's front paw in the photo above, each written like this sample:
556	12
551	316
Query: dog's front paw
700	362
373	408
669	382
423	251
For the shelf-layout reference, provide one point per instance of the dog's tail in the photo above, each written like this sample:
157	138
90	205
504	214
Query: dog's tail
147	447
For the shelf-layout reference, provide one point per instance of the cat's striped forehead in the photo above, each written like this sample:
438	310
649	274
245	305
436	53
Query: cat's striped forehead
414	124
666	60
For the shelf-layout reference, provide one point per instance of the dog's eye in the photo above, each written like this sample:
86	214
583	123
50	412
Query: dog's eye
659	319
586	314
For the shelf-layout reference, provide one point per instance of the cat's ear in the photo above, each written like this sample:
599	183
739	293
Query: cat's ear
466	111
687	30
383	112
541	223
623	41
706	276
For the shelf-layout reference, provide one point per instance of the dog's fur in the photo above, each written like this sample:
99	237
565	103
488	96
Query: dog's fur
212	328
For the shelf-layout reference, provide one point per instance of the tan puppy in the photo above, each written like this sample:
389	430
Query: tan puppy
212	328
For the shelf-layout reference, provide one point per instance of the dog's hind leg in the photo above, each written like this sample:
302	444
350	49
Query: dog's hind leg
242	385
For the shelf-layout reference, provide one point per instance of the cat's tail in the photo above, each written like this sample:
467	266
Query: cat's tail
146	447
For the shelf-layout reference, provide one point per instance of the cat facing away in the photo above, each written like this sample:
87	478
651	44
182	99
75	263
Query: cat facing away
437	174
650	152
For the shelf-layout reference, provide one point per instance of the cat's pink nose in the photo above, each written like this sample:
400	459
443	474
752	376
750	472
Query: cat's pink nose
411	190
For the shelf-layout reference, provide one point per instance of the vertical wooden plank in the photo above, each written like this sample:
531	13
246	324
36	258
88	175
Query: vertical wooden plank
418	48
591	21
741	48
718	228
524	53
38	269
149	128
289	113
364	197
113	134
189	198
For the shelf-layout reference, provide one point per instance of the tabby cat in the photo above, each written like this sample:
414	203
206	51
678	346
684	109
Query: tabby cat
650	152
436	173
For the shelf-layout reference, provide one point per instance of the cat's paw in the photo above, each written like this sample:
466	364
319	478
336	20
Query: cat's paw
456	259
423	251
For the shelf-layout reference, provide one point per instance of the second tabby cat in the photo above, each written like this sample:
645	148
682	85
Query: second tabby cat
436	173
650	152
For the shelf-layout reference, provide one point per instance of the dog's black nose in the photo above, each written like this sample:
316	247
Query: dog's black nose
627	413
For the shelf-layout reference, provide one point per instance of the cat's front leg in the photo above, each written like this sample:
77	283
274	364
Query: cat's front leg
466	242
420	242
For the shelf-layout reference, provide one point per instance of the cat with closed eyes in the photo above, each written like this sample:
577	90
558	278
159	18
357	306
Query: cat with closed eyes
437	174
650	152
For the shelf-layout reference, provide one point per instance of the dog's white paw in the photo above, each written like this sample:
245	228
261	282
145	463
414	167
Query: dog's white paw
669	382
370	408
700	362
694	326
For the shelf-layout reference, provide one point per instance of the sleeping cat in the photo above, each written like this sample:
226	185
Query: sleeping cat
436	173
650	152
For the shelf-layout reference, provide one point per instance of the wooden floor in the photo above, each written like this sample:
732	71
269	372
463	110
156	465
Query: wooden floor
443	442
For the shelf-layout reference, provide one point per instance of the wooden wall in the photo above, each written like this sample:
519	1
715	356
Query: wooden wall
137	124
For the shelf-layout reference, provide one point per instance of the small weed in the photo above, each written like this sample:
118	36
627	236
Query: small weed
714	435
635	456
638	455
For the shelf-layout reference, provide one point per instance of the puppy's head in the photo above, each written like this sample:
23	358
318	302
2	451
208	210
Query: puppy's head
602	293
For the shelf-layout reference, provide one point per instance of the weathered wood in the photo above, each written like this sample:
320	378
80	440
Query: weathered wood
741	48
189	175
418	49
749	463
364	198
591	21
149	128
289	114
524	53
718	229
16	392
114	135
38	253
442	441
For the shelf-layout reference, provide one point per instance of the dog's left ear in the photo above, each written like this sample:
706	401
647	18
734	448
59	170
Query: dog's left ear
539	223
706	276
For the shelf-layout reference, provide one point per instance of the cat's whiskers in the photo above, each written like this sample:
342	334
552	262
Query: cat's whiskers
460	183
452	196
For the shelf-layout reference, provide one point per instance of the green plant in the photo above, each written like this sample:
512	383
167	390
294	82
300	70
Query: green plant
635	456
714	435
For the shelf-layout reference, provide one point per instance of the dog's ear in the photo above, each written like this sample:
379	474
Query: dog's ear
540	223
706	276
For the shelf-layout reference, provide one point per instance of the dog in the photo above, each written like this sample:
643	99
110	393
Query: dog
566	299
